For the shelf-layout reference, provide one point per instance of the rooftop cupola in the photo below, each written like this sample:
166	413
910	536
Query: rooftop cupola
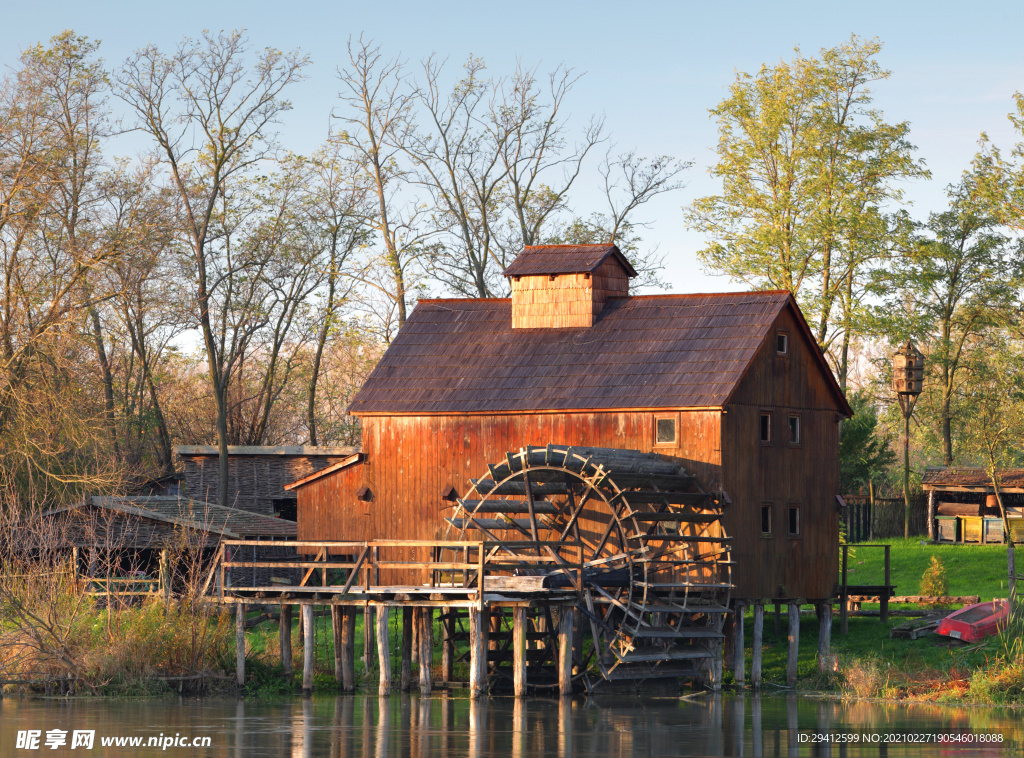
560	286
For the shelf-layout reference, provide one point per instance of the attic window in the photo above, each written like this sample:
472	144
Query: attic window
794	520
794	429
781	343
766	427
665	430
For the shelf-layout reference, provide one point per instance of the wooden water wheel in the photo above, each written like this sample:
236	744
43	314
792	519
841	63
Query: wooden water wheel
656	569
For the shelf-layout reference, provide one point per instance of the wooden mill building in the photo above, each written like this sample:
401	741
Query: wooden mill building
731	387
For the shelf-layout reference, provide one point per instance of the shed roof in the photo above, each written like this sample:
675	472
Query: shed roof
192	514
661	351
538	260
971	479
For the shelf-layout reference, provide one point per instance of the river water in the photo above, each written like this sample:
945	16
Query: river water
453	725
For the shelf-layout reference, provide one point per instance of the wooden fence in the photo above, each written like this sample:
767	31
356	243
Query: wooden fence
866	520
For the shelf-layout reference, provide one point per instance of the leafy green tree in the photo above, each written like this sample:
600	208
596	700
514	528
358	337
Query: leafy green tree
809	169
864	451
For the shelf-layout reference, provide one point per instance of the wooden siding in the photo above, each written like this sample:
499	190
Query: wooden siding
566	300
806	475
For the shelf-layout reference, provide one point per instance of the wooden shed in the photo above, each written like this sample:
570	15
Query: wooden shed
731	387
962	504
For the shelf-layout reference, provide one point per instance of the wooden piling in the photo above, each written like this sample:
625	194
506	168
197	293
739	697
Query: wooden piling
425	637
369	637
778	619
794	643
519	650
348	647
383	651
739	653
477	653
284	631
448	648
337	622
825	636
240	643
406	678
565	626
757	643
308	649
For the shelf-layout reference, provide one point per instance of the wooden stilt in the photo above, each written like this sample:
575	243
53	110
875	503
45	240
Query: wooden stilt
348	648
565	627
240	643
757	643
426	646
825	636
383	651
794	643
407	651
369	637
519	650
778	619
308	650
477	653
448	648
285	639
336	623
739	653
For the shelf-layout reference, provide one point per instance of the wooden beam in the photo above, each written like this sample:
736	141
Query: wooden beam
794	643
308	649
825	636
519	650
565	626
406	678
426	646
240	643
383	651
348	648
285	638
739	653
757	643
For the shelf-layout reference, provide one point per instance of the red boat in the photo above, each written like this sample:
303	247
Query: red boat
975	622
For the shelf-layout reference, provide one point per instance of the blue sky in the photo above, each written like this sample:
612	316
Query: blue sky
653	70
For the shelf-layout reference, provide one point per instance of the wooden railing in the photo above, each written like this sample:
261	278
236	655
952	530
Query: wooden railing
458	564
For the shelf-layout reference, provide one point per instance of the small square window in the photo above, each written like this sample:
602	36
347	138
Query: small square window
794	521
665	431
794	429
766	427
766	519
781	343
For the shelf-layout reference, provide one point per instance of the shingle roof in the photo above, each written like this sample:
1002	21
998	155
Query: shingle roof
662	351
565	259
975	478
194	514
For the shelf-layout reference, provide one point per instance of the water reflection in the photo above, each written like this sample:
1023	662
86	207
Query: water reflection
362	726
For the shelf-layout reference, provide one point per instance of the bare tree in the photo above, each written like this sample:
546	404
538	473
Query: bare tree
210	113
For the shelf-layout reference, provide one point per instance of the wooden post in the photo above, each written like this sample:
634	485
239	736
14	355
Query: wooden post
757	643
348	647
871	510
1011	568
794	643
448	648
308	649
884	599
336	624
931	515
844	626
825	636
426	640
414	642
369	637
165	575
284	631
240	642
407	651
519	650
383	651
739	653
477	653
778	621
565	626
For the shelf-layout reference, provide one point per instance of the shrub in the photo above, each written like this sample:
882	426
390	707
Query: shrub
933	581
